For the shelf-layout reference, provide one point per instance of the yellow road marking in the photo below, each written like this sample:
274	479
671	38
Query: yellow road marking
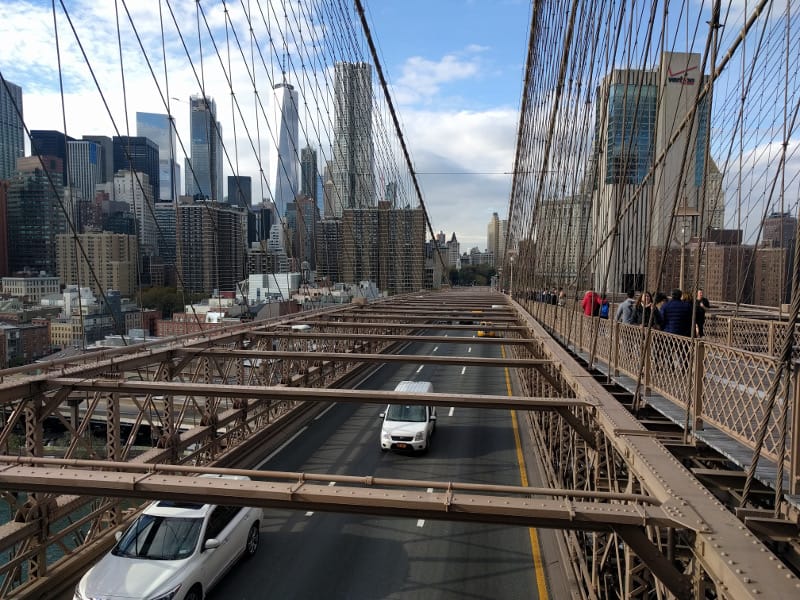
538	566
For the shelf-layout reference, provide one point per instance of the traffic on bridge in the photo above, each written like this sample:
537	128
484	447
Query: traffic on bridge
237	360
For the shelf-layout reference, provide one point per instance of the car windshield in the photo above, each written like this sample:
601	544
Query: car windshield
405	412
159	538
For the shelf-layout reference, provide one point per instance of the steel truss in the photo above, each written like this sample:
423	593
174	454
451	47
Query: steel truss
635	520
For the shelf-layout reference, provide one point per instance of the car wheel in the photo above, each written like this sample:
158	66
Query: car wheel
251	546
196	593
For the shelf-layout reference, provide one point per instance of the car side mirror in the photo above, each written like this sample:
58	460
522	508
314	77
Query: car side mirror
381	415
211	543
433	417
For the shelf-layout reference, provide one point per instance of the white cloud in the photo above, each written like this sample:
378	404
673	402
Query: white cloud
421	80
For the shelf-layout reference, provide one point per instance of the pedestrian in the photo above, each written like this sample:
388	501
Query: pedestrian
604	307
644	312
590	303
626	311
562	297
676	315
701	305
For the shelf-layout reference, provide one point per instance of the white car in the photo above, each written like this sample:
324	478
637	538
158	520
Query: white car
173	551
408	426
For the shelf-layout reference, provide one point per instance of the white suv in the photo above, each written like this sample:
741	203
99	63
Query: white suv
173	551
407	426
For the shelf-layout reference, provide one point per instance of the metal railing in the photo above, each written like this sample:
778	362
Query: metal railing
720	380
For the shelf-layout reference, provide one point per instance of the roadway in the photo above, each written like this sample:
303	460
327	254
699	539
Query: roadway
316	555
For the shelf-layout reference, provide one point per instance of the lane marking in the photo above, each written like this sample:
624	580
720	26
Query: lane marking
452	410
421	522
420	368
469	349
322	414
281	447
435	348
463	370
536	552
330	484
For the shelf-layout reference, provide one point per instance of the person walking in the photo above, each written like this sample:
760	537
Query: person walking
626	311
604	307
701	304
590	303
676	315
644	309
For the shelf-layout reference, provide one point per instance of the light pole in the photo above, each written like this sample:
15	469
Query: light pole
685	232
511	281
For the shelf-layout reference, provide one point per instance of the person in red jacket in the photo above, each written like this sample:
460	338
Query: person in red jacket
591	303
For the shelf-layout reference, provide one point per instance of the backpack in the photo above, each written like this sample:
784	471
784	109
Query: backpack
604	310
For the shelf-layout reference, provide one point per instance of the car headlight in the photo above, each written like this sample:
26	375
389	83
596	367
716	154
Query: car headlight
77	595
418	437
169	595
385	435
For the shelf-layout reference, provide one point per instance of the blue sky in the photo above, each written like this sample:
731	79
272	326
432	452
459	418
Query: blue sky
455	70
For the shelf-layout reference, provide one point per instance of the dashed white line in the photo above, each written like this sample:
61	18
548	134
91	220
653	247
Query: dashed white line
435	348
420	368
281	447
452	410
421	522
463	370
330	484
469	349
322	414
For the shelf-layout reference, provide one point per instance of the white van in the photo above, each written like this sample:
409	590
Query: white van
408	426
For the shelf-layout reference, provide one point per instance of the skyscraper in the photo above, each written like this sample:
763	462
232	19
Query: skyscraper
204	168
106	156
139	154
157	127
638	115
240	191
210	240
309	173
134	188
283	159
493	238
84	168
47	142
12	132
35	215
352	155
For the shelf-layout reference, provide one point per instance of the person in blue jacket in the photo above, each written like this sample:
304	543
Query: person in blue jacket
676	315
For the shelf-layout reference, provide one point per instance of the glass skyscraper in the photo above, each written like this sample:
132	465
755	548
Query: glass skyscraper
12	132
204	168
157	127
283	155
137	154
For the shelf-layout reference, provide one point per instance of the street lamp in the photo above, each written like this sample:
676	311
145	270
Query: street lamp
683	232
511	282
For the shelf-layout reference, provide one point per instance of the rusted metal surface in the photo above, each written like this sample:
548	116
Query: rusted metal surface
633	515
730	557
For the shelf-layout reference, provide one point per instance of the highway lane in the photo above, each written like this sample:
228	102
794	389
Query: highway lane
316	555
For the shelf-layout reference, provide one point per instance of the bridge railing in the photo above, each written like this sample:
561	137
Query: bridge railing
710	381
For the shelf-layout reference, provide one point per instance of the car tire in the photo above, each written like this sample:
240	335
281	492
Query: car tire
251	545
196	593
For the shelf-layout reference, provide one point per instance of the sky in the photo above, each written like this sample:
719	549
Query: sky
455	69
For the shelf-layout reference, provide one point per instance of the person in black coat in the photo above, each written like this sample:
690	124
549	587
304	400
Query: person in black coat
676	315
701	304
